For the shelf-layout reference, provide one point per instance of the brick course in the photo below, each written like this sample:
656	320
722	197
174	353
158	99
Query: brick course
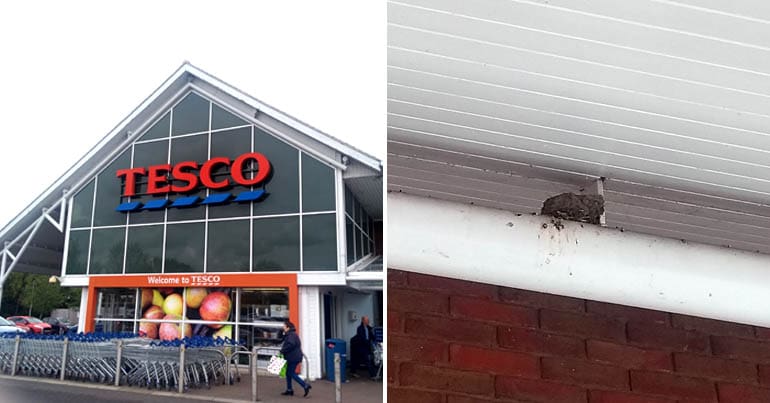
454	341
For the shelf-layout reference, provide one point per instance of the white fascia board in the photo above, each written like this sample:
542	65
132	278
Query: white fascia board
74	281
365	276
282	117
310	278
579	260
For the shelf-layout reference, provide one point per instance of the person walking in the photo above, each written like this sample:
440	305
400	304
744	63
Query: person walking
292	353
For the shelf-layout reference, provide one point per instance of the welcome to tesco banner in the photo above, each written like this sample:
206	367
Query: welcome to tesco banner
196	280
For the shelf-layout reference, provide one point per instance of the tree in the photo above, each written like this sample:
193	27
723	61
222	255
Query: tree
25	292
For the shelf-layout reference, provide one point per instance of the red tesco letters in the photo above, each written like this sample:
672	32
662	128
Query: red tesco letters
158	181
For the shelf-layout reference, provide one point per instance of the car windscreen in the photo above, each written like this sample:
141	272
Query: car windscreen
34	320
5	322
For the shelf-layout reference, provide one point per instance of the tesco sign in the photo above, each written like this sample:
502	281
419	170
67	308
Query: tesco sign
189	172
187	176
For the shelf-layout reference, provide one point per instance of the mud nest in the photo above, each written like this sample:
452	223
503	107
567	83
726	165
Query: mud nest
572	207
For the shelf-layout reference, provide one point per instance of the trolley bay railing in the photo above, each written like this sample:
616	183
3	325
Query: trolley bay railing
122	359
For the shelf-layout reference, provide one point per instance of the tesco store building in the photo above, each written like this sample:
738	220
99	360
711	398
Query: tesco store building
207	212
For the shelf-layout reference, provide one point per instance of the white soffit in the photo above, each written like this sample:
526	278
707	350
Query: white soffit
503	103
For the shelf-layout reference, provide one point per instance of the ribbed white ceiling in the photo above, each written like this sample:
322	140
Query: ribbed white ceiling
504	103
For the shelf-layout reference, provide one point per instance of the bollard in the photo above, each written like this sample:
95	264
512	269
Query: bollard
253	370
15	363
118	360
181	368
337	378
64	358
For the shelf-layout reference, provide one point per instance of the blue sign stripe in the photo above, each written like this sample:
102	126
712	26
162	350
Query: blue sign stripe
216	198
125	207
185	201
249	196
156	204
188	201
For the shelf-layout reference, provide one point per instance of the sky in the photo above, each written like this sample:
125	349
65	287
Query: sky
71	71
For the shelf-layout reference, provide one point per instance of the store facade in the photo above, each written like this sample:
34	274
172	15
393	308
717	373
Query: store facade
220	216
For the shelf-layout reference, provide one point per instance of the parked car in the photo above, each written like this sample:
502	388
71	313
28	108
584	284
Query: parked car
31	323
58	326
7	326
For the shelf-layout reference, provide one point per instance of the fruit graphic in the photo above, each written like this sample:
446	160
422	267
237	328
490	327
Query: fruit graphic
166	290
173	305
157	298
153	312
171	331
148	329
215	307
146	297
195	297
225	332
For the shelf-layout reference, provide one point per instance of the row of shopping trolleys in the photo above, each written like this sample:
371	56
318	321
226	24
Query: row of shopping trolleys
122	359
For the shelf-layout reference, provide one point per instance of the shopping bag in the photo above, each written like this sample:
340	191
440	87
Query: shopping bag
277	365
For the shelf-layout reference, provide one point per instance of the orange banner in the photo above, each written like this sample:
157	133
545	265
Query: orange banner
236	280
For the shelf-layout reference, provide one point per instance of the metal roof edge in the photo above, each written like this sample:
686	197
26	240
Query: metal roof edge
187	68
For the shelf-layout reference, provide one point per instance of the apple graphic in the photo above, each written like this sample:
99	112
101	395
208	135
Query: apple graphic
225	332
157	298
172	331
153	312
173	305
166	290
148	329
216	308
146	297
195	296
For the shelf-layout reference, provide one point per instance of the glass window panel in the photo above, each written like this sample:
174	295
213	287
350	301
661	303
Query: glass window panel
116	303
262	313
109	189
282	187
366	244
184	248
77	252
82	205
317	185
228	246
191	115
145	249
111	326
148	154
370	226
349	238
359	244
159	129
276	244
218	298
357	213
195	212
319	242
107	251
231	144
348	201
193	148
145	155
221	118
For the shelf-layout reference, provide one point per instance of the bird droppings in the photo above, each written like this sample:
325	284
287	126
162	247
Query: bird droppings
518	214
573	207
557	224
545	226
510	224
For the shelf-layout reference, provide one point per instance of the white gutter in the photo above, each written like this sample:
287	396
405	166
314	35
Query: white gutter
583	261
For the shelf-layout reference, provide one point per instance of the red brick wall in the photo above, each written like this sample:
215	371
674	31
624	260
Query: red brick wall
452	341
